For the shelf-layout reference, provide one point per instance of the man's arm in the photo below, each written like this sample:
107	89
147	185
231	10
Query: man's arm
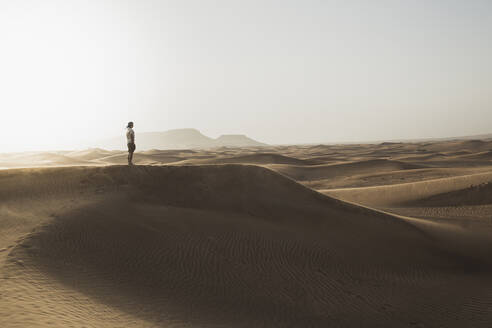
132	136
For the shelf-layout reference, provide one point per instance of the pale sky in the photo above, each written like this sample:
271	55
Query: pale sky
281	71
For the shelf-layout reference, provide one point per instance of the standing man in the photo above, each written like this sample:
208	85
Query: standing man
130	139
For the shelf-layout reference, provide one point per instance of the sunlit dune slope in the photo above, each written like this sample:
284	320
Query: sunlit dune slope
34	159
408	193
316	172
90	154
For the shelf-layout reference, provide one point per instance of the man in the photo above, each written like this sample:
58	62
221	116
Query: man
130	140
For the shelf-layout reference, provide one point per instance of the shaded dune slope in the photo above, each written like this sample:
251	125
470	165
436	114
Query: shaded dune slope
230	246
486	156
480	194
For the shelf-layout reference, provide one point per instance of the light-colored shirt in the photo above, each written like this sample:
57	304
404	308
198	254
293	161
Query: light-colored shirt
130	135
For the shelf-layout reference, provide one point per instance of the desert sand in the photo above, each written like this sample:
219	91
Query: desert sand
361	235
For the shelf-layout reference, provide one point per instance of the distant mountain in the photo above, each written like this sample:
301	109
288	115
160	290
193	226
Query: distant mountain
179	139
236	140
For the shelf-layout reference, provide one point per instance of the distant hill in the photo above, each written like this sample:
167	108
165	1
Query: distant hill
236	140
179	139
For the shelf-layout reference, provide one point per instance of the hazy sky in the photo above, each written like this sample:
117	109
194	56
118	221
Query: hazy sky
282	71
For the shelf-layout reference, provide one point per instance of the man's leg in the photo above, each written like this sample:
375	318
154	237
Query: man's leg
130	157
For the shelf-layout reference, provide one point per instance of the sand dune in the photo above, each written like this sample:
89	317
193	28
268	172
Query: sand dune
460	145
480	194
403	194
34	159
486	156
385	178
90	154
317	172
226	245
256	158
423	157
232	246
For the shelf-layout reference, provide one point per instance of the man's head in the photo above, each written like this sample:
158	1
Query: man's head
130	125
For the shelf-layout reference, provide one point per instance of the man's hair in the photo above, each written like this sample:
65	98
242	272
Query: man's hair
129	123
